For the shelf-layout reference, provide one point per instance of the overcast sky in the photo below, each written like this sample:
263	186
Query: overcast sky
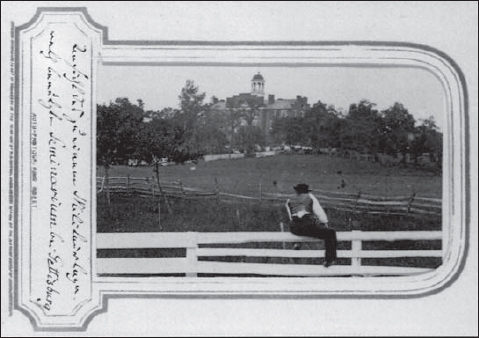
159	86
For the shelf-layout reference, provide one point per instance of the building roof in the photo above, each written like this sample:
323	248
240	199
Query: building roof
248	99
258	77
281	104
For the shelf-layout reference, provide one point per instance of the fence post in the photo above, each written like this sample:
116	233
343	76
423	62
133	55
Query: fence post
239	219
128	183
260	193
107	187
159	215
217	190
153	187
353	214
102	184
356	246
182	189
191	256
157	172
281	226
409	205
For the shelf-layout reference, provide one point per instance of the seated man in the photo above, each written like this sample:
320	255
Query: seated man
307	218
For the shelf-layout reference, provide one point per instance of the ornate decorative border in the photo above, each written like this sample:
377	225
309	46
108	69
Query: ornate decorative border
456	208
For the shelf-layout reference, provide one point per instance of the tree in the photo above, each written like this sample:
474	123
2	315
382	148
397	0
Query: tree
191	111
278	128
296	131
395	127
202	129
191	101
118	126
118	129
291	130
232	123
361	126
429	140
324	125
211	133
248	112
165	113
247	138
156	140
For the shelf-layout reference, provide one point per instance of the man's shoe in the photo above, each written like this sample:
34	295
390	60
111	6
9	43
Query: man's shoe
327	264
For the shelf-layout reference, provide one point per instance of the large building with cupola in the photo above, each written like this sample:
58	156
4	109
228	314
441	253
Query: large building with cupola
261	108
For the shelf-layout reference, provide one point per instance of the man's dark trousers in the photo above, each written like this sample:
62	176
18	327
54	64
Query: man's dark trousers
309	225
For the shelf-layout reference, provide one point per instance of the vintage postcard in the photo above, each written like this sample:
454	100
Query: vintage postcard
302	171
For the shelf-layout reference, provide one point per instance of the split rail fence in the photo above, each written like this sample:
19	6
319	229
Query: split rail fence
356	203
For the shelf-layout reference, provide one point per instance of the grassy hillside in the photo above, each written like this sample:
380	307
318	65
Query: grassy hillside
243	176
129	213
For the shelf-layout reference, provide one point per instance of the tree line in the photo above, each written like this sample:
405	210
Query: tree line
125	130
363	129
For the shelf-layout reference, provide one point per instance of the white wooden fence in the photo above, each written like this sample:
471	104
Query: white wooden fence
195	242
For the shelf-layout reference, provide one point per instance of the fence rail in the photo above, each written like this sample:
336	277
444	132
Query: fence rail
196	244
353	202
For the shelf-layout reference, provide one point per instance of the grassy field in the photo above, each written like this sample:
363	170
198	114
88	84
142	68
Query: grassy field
243	176
129	213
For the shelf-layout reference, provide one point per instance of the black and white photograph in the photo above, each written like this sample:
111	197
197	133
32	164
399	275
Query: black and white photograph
222	163
225	169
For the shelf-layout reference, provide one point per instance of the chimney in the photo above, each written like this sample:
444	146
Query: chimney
270	99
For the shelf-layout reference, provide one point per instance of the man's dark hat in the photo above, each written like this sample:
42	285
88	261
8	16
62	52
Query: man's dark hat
302	188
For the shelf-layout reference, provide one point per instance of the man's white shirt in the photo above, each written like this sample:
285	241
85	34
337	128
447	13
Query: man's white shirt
318	209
